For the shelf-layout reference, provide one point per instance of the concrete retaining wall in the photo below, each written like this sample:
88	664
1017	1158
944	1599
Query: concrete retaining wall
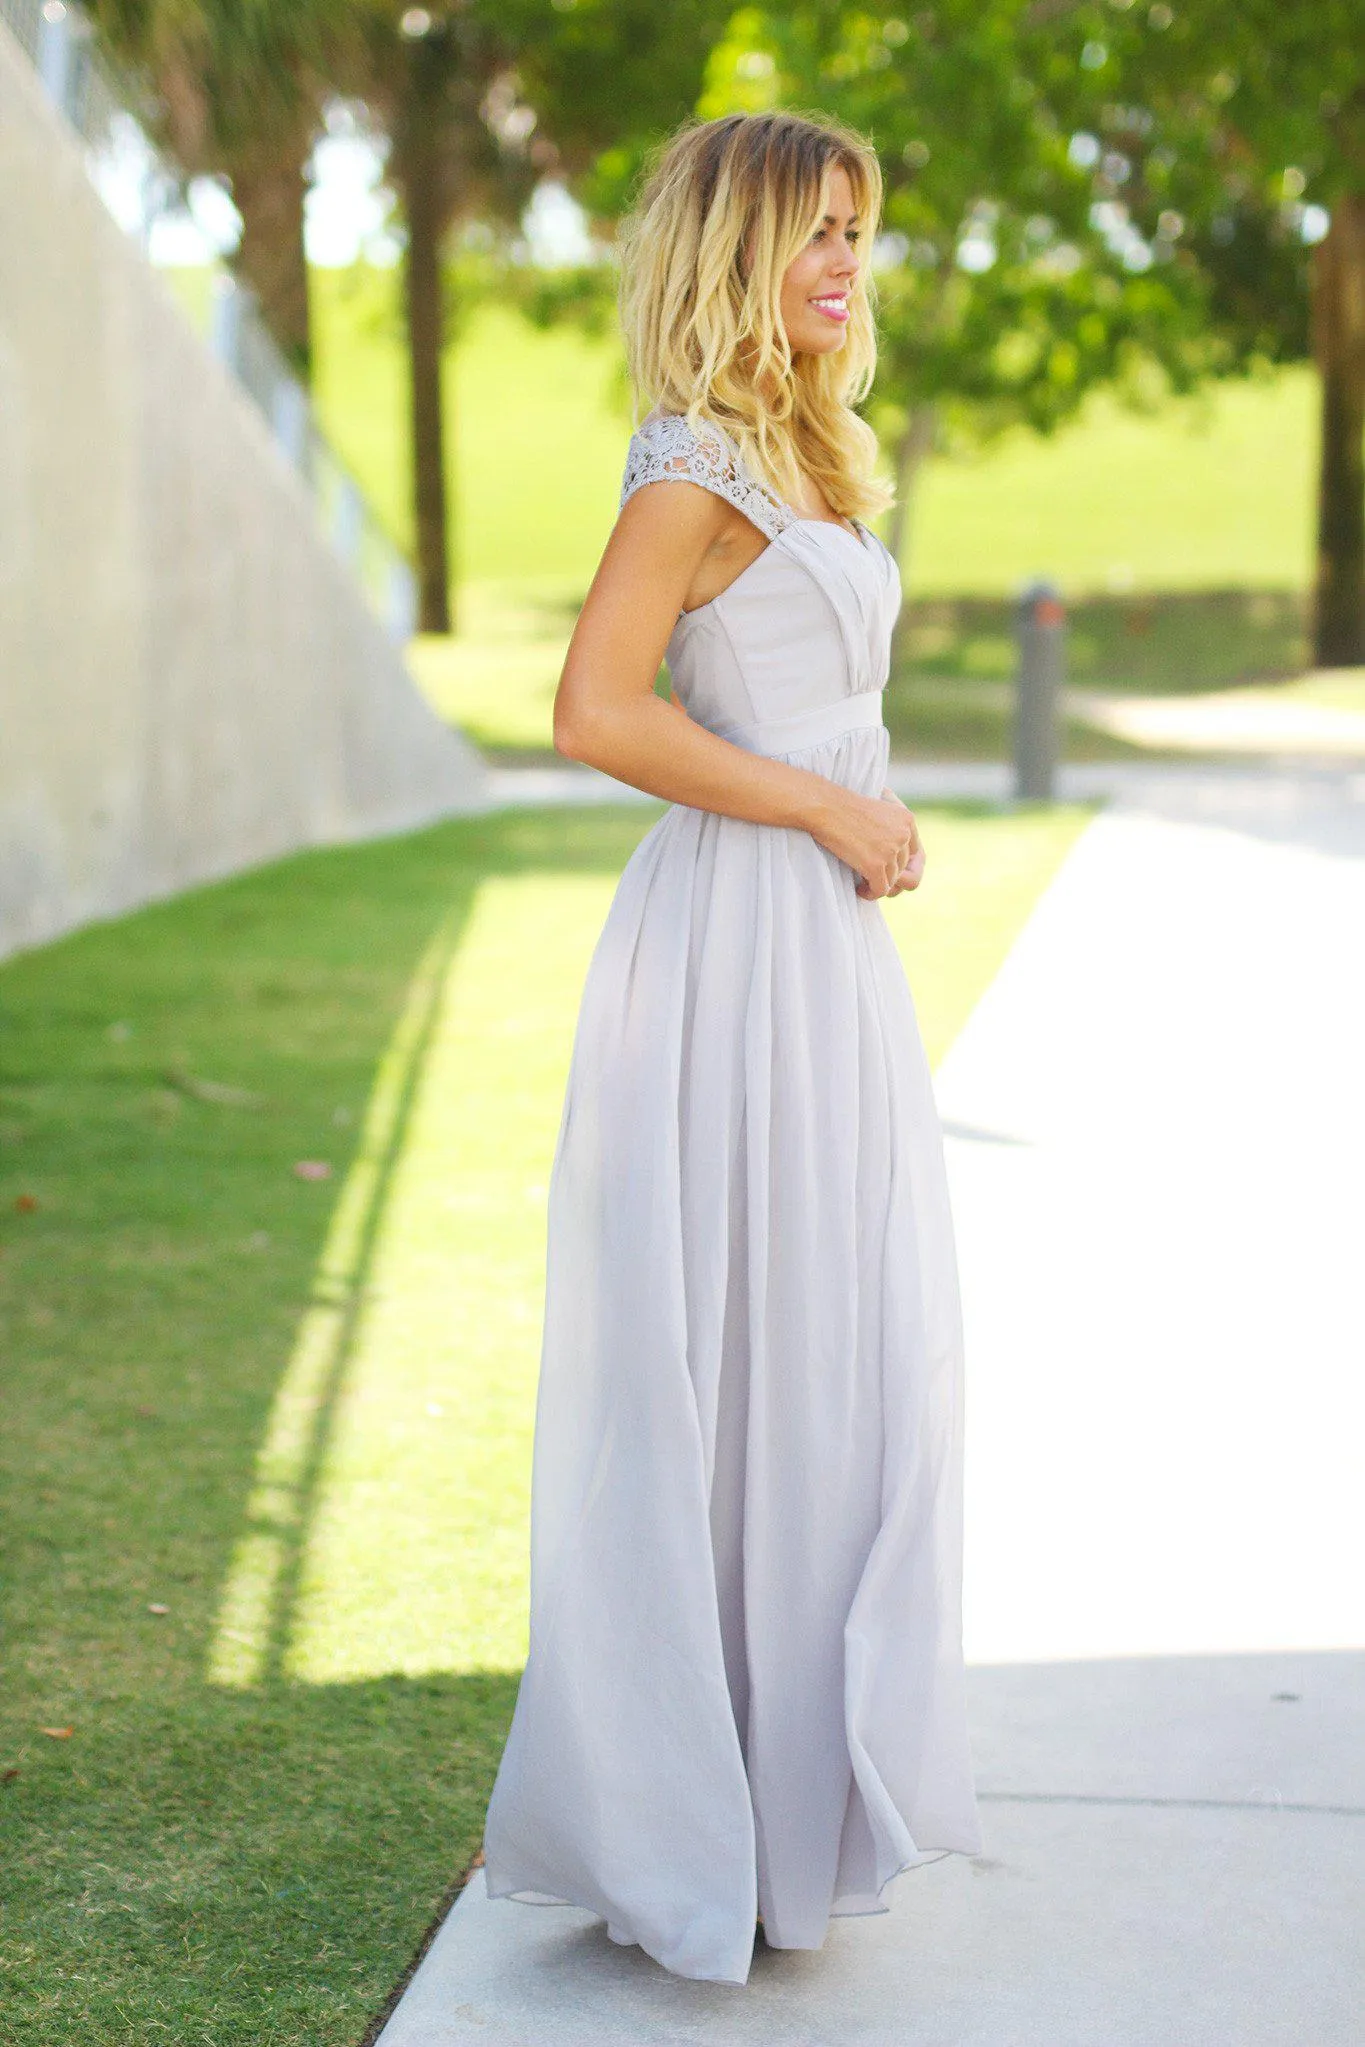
190	683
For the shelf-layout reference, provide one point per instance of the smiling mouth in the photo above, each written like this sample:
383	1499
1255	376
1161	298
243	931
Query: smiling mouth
834	307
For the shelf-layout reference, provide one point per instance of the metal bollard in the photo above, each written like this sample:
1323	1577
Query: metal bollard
1040	628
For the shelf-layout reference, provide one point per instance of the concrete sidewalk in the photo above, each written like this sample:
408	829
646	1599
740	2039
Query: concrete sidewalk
933	781
1253	721
1156	1129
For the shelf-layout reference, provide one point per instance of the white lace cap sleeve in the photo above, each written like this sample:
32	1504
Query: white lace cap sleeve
667	448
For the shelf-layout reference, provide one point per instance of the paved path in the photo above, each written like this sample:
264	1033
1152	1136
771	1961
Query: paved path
1225	721
927	781
1157	1137
915	781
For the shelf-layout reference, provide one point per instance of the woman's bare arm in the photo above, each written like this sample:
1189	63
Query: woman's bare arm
671	540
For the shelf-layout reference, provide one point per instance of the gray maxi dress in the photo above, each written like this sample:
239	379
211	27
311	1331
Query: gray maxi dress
744	1691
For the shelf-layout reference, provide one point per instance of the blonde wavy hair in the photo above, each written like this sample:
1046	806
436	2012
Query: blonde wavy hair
726	207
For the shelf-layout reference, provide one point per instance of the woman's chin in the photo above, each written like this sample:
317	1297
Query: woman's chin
819	341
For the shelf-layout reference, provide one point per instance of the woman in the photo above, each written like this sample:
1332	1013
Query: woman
743	1699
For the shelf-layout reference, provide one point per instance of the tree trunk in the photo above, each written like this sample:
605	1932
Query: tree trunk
269	192
911	450
418	176
1339	347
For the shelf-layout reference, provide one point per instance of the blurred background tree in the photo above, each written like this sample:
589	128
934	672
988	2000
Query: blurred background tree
1082	196
237	88
479	102
1006	299
1233	140
441	84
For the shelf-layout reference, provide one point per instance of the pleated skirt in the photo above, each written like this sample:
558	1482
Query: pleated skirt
744	1688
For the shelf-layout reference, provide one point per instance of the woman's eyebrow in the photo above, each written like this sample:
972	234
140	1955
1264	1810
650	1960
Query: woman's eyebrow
830	220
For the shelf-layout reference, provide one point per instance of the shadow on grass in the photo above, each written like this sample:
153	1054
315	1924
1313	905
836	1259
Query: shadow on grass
253	1858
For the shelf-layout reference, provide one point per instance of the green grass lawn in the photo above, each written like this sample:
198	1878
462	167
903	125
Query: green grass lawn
1208	494
294	1412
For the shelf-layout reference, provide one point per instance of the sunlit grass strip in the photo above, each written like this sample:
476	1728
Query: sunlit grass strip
415	1556
250	1614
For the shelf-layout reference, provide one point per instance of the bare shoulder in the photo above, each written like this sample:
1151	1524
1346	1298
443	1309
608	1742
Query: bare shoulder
676	508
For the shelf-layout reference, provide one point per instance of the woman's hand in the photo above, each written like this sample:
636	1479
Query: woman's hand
912	874
877	837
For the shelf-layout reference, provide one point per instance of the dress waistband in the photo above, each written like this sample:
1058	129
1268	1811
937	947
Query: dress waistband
806	728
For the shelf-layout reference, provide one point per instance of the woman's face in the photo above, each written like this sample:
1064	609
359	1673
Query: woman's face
817	285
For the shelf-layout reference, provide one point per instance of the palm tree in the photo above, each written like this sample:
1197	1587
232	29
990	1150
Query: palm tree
440	81
481	98
238	88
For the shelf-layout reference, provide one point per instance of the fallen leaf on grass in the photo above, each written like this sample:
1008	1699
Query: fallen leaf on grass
57	1733
155	1606
312	1169
218	1092
25	1203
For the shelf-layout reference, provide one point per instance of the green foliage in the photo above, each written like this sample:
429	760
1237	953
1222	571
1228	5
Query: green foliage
606	77
1002	299
228	80
581	294
1213	130
1227	99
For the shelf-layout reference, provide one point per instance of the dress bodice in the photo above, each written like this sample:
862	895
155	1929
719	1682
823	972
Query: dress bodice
797	648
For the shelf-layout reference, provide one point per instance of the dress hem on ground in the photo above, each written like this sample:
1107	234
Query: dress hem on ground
875	1907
